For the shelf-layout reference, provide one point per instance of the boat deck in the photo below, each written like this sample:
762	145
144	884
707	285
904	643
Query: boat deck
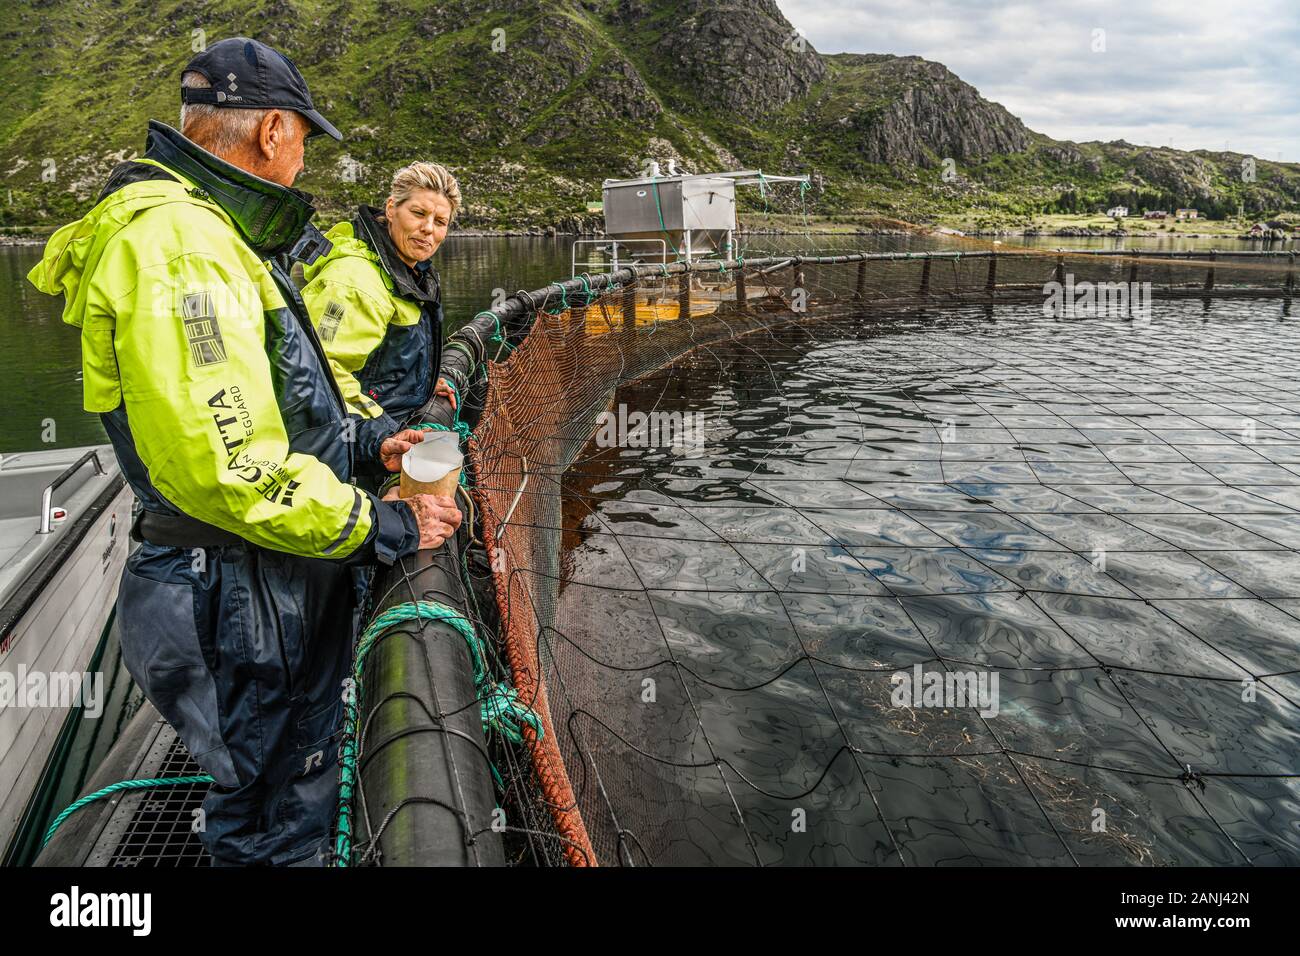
145	827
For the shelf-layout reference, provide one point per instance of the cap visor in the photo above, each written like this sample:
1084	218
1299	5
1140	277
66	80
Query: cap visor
321	125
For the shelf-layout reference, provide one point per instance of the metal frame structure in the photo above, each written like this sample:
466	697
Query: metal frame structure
590	265
684	217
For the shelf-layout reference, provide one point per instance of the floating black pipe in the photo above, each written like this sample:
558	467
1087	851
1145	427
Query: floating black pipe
425	794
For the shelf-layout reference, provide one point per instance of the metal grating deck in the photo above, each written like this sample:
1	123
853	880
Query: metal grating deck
161	829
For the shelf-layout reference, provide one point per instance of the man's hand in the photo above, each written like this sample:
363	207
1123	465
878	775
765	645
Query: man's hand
437	516
444	389
395	446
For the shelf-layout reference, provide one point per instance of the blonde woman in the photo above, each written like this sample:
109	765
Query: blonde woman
375	299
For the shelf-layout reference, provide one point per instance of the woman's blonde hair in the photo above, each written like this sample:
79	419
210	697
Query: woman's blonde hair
431	176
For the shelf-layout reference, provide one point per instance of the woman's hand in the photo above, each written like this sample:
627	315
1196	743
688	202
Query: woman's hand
395	446
444	389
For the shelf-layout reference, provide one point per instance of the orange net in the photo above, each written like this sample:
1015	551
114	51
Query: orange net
541	408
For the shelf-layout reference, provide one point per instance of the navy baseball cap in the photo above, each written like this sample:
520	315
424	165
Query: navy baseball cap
250	75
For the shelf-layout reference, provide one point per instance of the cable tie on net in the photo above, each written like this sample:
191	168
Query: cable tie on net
1191	778
532	303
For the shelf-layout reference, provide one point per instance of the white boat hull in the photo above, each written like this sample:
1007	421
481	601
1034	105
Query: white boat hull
56	634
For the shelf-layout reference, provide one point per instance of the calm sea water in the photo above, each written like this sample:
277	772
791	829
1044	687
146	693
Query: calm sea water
1103	516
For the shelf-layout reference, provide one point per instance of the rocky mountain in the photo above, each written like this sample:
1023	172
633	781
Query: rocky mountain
907	111
534	102
740	57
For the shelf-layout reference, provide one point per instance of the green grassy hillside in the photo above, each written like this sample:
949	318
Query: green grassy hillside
581	91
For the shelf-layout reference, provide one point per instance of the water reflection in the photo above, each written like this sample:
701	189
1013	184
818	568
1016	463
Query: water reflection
1103	513
40	359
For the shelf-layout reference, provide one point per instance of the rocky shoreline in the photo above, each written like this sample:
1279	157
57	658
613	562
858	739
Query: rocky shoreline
544	232
550	232
1083	232
9	239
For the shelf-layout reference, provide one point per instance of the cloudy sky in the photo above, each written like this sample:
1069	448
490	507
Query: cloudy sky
1188	73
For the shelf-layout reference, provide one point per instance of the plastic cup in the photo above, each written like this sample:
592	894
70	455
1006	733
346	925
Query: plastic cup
432	467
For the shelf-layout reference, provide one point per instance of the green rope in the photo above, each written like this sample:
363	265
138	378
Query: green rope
461	428
501	708
497	337
662	226
564	300
146	783
499	703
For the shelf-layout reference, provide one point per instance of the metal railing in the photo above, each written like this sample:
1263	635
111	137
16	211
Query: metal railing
47	496
559	292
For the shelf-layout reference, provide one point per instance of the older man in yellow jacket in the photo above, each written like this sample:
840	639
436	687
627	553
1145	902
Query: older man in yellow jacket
236	612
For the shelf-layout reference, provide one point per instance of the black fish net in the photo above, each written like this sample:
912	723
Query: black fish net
885	559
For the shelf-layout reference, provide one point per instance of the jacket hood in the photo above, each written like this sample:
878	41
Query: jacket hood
343	242
269	217
73	251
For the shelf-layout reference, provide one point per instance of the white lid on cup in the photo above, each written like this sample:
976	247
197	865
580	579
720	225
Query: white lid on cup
434	458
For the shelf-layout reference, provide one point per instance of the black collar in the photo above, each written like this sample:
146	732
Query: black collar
270	218
418	285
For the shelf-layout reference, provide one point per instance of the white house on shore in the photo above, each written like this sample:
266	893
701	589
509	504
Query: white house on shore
1117	212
